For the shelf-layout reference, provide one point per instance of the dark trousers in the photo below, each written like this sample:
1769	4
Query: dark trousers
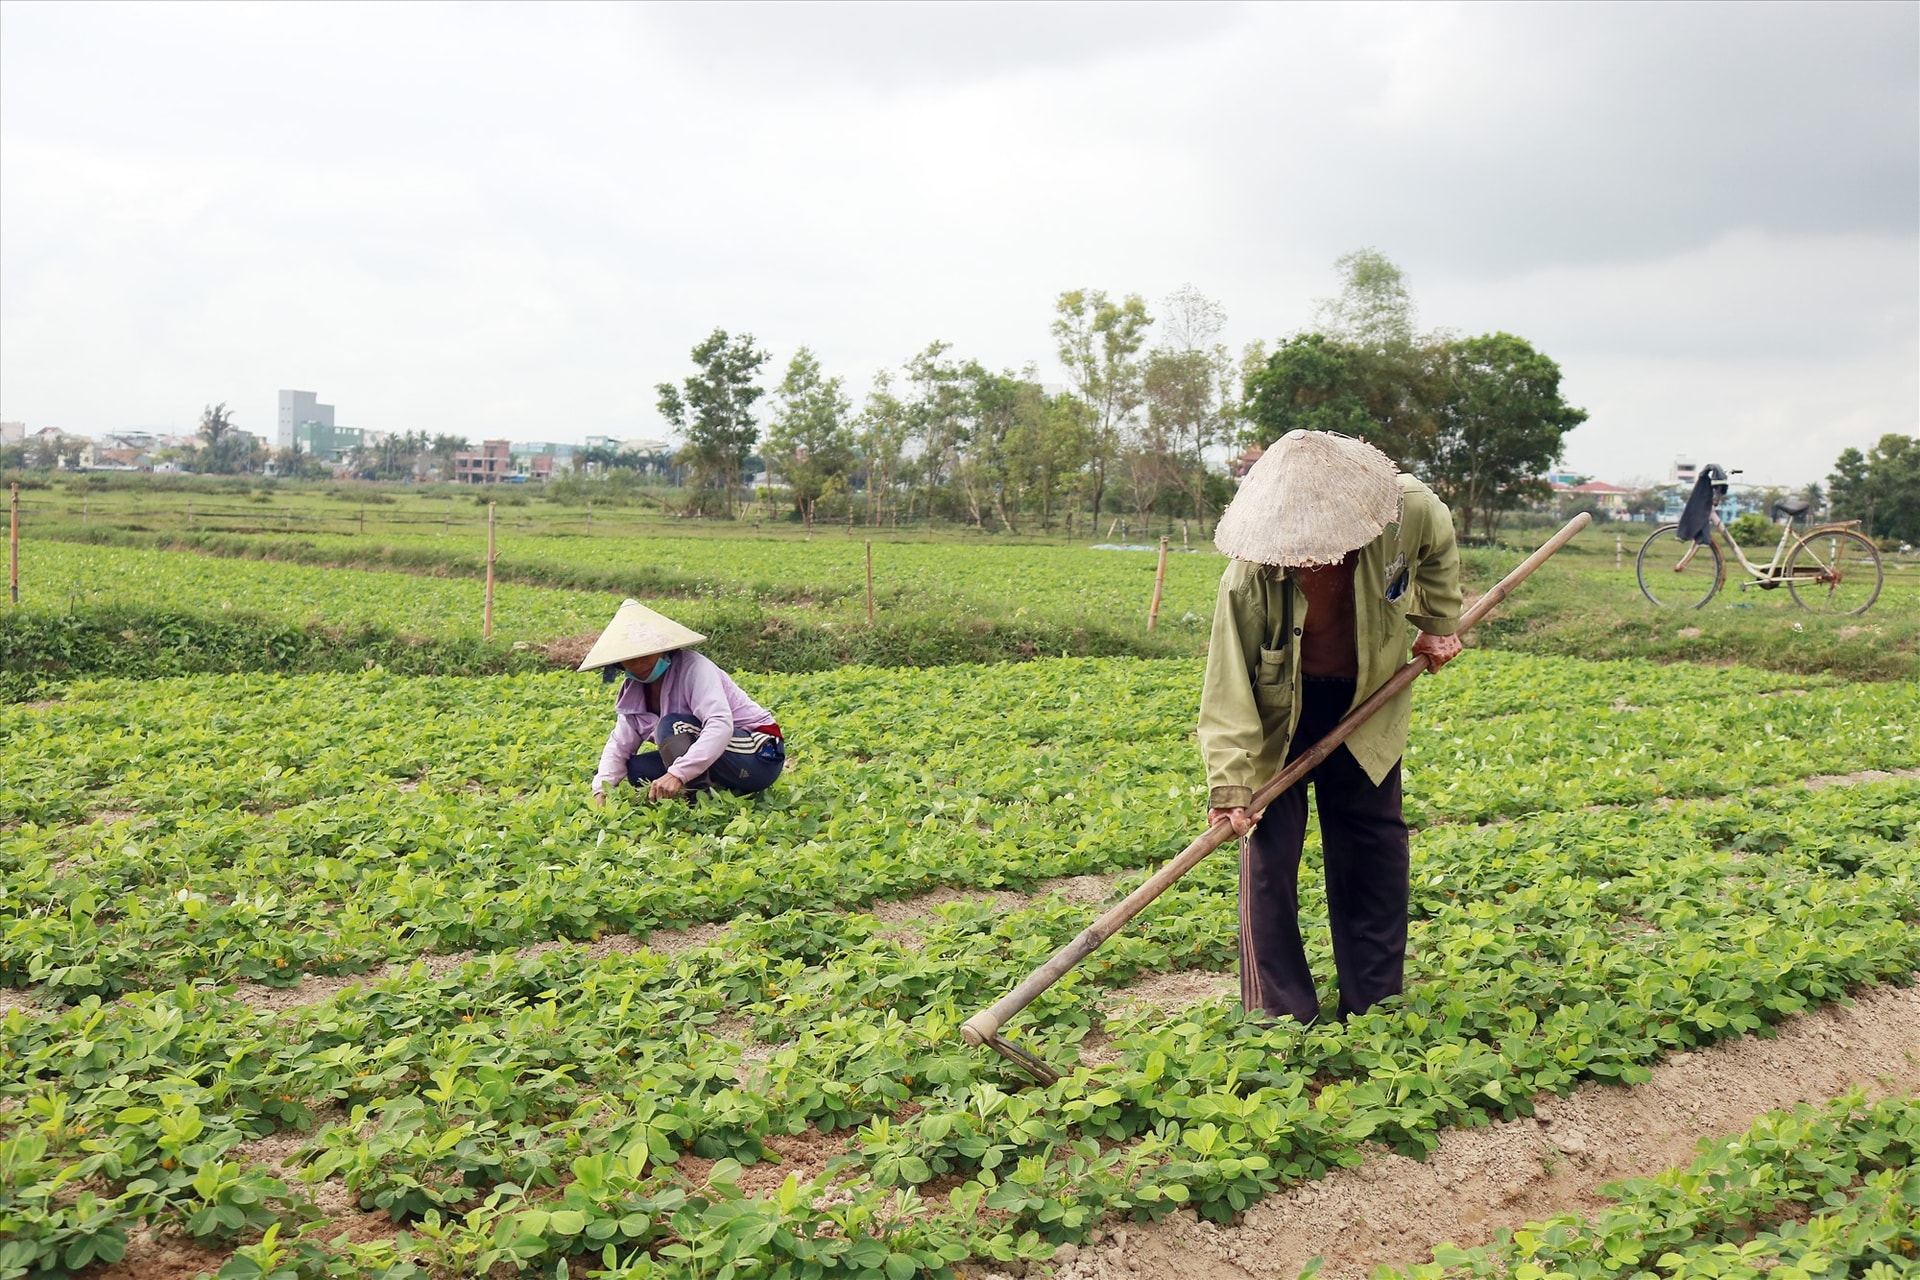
741	772
1363	840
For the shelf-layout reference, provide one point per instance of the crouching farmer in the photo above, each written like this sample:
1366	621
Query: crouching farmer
704	732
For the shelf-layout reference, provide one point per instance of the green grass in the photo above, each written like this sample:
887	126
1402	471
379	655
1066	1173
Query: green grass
773	597
1581	605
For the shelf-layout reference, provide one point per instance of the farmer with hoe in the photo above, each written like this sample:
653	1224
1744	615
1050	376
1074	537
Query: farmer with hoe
1334	553
705	731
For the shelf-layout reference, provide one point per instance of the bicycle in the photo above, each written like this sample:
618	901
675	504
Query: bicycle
1832	568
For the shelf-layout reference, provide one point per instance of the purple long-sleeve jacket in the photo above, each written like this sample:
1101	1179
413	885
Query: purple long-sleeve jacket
693	685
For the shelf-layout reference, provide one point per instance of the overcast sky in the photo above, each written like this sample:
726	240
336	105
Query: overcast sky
514	220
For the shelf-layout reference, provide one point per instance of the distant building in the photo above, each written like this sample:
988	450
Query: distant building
326	442
13	433
1685	471
297	407
1610	498
540	460
490	464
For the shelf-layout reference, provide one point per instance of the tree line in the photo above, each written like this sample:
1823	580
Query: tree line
1155	414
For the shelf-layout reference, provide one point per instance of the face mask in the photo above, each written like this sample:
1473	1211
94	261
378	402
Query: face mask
660	666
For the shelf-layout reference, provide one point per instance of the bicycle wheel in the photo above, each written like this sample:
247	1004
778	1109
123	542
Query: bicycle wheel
1676	573
1835	571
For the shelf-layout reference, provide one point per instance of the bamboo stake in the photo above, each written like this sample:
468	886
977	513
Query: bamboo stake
869	582
1159	585
984	1027
486	628
13	544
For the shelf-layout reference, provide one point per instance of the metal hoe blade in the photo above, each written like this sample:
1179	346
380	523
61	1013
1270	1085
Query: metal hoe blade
1022	1059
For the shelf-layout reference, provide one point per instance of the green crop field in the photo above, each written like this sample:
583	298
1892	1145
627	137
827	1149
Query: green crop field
407	595
314	960
339	974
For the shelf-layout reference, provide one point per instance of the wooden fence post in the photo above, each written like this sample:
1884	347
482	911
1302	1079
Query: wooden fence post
869	582
1159	585
486	626
13	545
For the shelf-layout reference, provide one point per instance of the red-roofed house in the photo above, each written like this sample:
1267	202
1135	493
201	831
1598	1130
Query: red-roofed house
1610	498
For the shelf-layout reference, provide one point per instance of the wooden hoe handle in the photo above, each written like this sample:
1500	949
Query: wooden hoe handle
984	1027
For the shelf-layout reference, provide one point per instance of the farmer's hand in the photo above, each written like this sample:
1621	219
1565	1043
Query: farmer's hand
1440	650
1238	817
665	787
599	799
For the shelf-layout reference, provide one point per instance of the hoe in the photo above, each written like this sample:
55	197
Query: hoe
984	1027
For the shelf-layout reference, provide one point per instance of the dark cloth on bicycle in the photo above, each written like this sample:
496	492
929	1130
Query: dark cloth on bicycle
1697	518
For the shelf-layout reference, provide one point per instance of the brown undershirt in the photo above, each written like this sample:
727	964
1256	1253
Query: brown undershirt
1328	646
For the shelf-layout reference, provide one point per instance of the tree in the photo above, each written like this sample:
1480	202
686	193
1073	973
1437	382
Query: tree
1048	446
1313	382
1364	372
809	442
48	452
1099	341
936	417
1185	383
215	422
1881	488
882	431
713	410
1001	408
1501	420
225	449
294	464
1373	310
444	448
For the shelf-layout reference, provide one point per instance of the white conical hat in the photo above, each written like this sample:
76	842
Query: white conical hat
1310	499
635	632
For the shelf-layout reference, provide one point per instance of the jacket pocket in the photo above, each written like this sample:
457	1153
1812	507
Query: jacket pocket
1273	684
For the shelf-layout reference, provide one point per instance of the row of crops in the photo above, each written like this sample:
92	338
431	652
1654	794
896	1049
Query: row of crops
1616	860
797	607
828	573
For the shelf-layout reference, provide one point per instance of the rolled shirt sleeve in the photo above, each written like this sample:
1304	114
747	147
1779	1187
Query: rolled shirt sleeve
1234	743
625	739
1436	579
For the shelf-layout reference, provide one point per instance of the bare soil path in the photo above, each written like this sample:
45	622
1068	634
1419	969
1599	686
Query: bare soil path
1394	1210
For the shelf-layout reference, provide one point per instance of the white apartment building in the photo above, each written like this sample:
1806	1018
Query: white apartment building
296	409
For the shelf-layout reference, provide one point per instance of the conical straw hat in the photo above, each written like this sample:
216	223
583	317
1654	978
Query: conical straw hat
635	632
1310	499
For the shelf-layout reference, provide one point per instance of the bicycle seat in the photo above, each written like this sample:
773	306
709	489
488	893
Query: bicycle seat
1791	508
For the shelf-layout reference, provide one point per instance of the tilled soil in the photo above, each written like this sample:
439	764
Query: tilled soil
1393	1210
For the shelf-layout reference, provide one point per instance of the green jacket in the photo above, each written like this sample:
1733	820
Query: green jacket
1250	700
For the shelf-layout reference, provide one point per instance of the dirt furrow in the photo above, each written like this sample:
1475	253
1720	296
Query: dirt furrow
1393	1210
